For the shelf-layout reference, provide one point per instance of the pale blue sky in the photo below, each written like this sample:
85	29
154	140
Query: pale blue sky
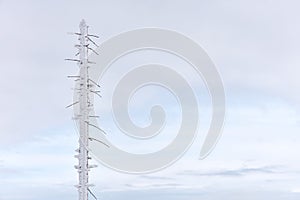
254	44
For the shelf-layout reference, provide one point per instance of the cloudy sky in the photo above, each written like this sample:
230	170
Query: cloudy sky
255	46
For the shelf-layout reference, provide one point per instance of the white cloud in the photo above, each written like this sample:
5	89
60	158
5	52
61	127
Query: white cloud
255	45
